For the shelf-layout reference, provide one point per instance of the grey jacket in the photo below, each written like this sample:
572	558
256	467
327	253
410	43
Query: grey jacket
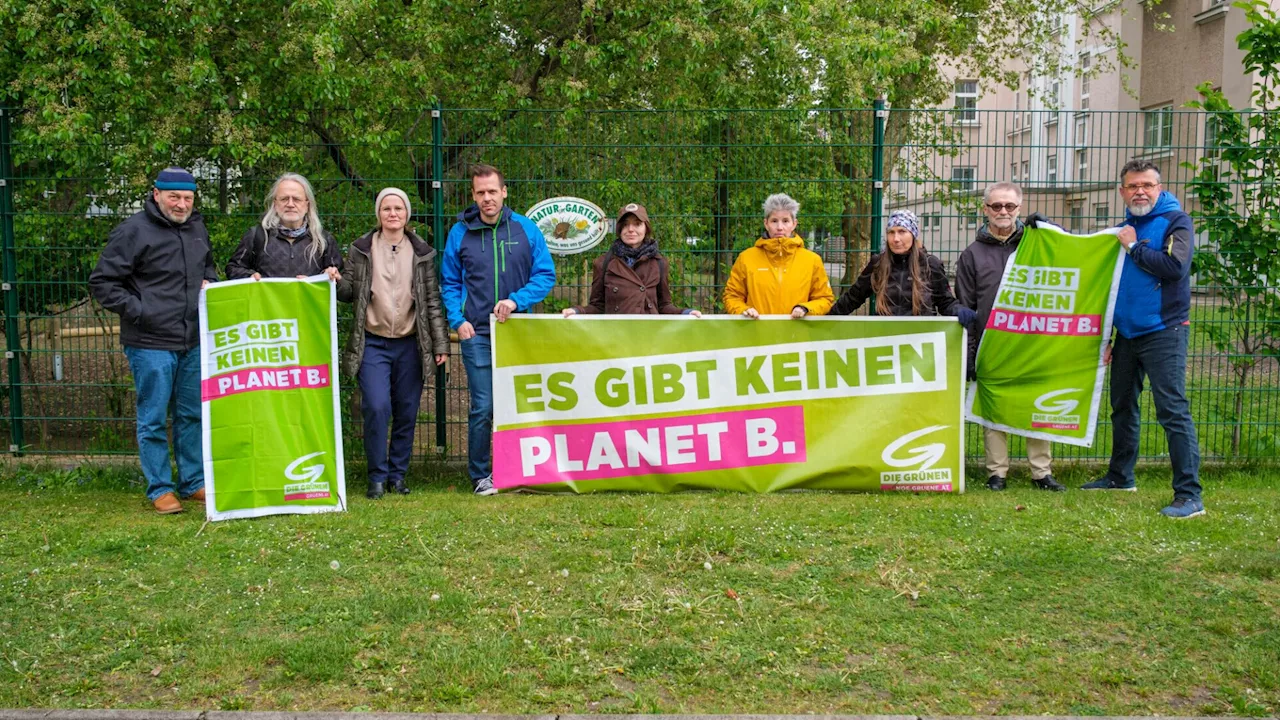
150	273
978	274
429	322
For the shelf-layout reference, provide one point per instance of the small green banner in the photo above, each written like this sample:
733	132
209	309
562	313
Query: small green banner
272	428
1039	365
653	403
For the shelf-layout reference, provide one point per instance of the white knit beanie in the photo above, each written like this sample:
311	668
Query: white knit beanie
377	205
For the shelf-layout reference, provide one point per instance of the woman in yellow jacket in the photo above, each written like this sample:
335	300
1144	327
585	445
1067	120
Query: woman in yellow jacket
778	276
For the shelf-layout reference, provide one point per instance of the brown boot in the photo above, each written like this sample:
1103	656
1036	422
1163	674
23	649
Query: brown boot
167	504
197	496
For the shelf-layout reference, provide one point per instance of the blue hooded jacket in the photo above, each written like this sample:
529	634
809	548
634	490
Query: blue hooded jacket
1155	285
483	264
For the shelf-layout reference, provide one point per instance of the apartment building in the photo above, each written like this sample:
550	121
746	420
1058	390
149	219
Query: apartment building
1064	139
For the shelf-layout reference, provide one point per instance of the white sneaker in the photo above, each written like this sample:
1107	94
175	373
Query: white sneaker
484	486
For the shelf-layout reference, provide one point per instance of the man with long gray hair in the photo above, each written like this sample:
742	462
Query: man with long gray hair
289	240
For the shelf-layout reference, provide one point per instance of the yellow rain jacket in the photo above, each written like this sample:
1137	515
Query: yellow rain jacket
775	276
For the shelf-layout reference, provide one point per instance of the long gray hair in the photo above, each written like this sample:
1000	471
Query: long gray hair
271	219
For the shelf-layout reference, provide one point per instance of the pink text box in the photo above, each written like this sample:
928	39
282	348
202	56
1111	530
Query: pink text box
1044	323
284	378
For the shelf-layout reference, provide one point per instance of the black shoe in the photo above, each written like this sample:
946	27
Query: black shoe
376	491
995	482
1048	483
398	486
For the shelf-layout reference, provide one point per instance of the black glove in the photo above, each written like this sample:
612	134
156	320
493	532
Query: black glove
1035	218
967	317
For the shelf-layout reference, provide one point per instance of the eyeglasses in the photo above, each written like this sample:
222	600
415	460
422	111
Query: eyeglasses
1146	187
1007	207
290	200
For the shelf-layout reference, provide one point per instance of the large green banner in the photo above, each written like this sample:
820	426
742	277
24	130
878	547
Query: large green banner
1039	365
654	403
272	430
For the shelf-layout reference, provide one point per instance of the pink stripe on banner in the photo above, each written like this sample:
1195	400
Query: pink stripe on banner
297	377
659	446
1044	324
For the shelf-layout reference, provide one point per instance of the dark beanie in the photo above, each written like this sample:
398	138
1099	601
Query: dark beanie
175	178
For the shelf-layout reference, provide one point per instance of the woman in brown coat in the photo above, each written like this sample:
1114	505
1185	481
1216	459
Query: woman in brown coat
631	278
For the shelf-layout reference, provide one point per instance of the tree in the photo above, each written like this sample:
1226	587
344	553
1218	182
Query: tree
1239	209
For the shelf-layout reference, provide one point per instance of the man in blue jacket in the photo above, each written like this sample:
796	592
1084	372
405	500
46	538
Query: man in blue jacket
1152	317
495	261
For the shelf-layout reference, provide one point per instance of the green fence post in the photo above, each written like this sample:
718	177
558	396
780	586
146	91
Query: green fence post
877	184
877	175
437	235
10	286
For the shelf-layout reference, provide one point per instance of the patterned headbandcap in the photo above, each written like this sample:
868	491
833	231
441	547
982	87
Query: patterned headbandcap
906	220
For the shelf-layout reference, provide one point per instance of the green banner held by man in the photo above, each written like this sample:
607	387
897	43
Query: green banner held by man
272	429
1039	366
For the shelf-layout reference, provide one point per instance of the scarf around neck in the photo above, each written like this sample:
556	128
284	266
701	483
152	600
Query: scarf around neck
632	255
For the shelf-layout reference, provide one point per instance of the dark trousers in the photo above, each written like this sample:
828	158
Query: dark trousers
1160	357
390	380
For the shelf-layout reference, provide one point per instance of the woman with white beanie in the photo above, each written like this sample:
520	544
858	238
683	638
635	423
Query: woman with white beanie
398	321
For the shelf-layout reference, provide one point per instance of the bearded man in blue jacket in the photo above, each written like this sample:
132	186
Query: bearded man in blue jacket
1152	322
495	261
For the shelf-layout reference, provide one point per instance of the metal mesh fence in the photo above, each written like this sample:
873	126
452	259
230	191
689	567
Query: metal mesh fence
703	176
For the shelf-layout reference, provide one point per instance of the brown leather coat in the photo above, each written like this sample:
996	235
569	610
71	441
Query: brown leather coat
357	280
621	290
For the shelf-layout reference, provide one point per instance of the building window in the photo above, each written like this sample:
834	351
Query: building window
1013	172
1158	127
1026	114
1077	217
966	100
937	221
1082	165
1082	130
1101	215
1212	128
1051	169
1086	63
973	221
1017	111
964	178
1026	171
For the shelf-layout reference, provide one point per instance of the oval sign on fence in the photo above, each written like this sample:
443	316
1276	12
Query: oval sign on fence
570	225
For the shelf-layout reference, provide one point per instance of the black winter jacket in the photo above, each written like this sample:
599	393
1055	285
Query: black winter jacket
978	274
150	273
897	291
270	254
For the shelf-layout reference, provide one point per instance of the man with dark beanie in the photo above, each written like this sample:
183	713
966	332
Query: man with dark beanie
151	273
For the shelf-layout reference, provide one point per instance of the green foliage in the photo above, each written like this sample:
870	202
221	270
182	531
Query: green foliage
1239	206
113	88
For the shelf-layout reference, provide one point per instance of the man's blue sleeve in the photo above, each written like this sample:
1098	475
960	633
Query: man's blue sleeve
543	275
451	287
1171	262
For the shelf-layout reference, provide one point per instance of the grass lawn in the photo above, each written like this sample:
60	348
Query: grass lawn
1022	602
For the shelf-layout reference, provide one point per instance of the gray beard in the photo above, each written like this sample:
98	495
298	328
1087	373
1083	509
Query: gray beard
1141	210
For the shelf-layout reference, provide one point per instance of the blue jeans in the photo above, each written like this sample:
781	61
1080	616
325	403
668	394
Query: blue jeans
477	358
1160	357
390	379
167	381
